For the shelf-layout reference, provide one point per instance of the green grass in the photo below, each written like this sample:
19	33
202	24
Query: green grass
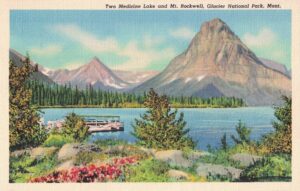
24	168
149	170
57	140
109	142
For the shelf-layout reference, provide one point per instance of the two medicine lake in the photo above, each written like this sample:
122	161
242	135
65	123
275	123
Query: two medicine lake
207	125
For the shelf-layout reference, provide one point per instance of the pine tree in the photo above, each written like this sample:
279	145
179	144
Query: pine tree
224	142
280	141
74	127
243	134
24	128
158	127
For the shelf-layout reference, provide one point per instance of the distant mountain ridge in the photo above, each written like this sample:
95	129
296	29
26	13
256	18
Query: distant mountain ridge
98	75
135	77
18	59
94	73
276	66
217	63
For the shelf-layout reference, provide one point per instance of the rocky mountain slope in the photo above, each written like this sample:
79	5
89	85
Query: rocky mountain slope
94	73
135	77
276	66
217	63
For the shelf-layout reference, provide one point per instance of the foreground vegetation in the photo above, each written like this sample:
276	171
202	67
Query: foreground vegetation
117	160
163	153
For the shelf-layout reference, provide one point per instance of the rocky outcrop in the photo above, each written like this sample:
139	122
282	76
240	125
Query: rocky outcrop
173	158
67	151
245	159
70	150
67	165
177	175
205	170
195	155
20	153
41	152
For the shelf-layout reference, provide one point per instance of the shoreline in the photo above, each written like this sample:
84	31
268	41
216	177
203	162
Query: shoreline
96	106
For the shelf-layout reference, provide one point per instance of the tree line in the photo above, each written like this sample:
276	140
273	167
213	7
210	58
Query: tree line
66	95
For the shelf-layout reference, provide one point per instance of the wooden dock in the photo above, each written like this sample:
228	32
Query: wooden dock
103	123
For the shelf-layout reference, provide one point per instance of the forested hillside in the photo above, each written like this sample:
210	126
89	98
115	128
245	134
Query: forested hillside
45	95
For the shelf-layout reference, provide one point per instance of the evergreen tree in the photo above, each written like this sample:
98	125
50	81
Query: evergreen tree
74	127
158	127
49	95
224	142
243	134
280	141
24	128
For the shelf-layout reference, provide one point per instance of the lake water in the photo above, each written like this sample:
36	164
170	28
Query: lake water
207	125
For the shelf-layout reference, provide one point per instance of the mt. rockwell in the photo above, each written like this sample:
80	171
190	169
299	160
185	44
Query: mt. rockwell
217	63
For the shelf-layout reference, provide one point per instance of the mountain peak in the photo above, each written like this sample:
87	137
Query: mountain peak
216	21
218	63
96	64
217	26
95	61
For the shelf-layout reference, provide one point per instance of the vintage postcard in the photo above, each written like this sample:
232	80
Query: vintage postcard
172	94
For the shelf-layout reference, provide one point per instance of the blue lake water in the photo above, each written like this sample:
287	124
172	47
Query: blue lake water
207	125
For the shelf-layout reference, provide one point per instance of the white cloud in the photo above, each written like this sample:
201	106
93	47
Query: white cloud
87	39
267	44
139	54
264	38
140	58
183	32
49	50
151	41
73	65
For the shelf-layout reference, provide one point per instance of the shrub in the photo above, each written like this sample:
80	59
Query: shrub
57	140
280	141
74	127
158	127
277	167
250	148
148	171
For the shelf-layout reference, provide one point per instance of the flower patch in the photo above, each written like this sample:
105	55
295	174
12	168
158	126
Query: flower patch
91	173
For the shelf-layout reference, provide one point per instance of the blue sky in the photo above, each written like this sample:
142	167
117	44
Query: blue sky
138	40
